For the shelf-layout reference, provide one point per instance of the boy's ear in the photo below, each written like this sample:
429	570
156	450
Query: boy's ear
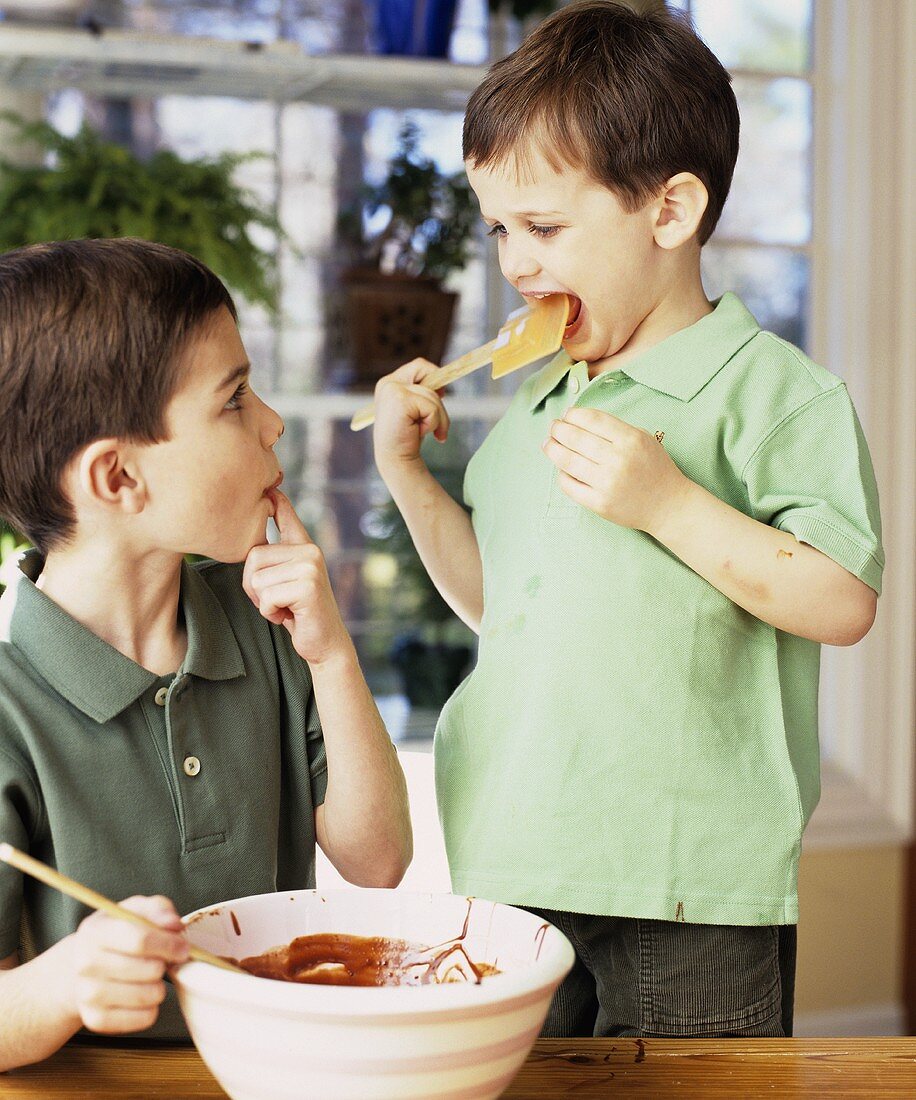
106	474
680	209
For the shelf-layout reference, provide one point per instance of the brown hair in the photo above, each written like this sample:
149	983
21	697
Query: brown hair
631	99
91	338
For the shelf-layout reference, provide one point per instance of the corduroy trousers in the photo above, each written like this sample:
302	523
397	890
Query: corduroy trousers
669	979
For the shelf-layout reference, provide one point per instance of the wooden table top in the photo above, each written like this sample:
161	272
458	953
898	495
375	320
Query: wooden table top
584	1069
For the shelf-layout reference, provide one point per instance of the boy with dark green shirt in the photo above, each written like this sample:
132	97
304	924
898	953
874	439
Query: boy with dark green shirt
186	729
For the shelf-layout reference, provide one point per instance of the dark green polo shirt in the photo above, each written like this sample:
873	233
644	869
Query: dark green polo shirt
631	742
200	785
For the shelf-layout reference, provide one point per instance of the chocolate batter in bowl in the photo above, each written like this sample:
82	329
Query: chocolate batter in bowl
335	959
453	993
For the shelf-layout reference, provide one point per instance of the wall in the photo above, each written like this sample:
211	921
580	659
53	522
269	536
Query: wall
850	942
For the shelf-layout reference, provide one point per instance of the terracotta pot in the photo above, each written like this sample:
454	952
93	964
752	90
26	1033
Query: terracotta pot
391	319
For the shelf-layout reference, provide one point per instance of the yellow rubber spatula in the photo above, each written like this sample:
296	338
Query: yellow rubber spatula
529	333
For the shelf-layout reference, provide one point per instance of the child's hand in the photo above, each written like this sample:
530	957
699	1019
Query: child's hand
288	583
620	472
118	966
405	412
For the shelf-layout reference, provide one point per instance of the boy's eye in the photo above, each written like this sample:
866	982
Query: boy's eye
544	230
235	401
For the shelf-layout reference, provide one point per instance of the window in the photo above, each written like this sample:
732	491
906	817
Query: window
762	246
813	237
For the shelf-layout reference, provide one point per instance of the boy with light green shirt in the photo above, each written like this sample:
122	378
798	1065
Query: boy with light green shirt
188	730
670	518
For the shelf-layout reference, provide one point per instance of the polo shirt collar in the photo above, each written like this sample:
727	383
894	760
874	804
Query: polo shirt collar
548	378
213	651
93	675
679	366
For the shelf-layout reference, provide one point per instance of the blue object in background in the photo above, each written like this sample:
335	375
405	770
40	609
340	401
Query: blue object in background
414	28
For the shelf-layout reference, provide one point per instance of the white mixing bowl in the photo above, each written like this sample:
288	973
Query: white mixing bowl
273	1040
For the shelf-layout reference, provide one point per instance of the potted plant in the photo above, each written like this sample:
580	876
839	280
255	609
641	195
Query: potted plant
90	187
404	238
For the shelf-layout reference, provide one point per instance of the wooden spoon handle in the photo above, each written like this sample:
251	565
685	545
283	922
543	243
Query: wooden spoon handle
435	380
34	867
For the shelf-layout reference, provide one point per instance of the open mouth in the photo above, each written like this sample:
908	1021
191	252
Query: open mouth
575	310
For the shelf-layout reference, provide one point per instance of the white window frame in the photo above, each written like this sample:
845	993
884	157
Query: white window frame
862	328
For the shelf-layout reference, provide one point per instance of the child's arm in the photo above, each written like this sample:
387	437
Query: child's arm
623	474
107	977
440	528
364	824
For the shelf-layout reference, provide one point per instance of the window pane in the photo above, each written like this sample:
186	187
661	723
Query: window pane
770	198
309	151
469	43
401	627
247	20
324	26
207	126
319	26
772	283
756	34
439	138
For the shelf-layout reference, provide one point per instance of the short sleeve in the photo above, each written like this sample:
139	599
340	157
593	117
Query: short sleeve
318	763
19	803
300	712
813	477
305	769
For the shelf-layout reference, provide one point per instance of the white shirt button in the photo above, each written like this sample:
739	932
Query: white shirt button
191	765
161	696
573	384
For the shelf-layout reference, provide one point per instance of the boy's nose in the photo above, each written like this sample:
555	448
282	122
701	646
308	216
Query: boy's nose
515	260
272	426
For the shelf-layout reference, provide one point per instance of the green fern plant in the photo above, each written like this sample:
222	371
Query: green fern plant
91	187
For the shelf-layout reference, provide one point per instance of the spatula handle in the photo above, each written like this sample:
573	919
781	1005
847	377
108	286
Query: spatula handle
435	380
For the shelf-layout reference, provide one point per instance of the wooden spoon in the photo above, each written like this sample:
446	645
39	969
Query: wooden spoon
87	896
528	334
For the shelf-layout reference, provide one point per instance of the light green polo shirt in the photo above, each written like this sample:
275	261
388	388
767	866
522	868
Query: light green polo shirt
201	785
631	742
